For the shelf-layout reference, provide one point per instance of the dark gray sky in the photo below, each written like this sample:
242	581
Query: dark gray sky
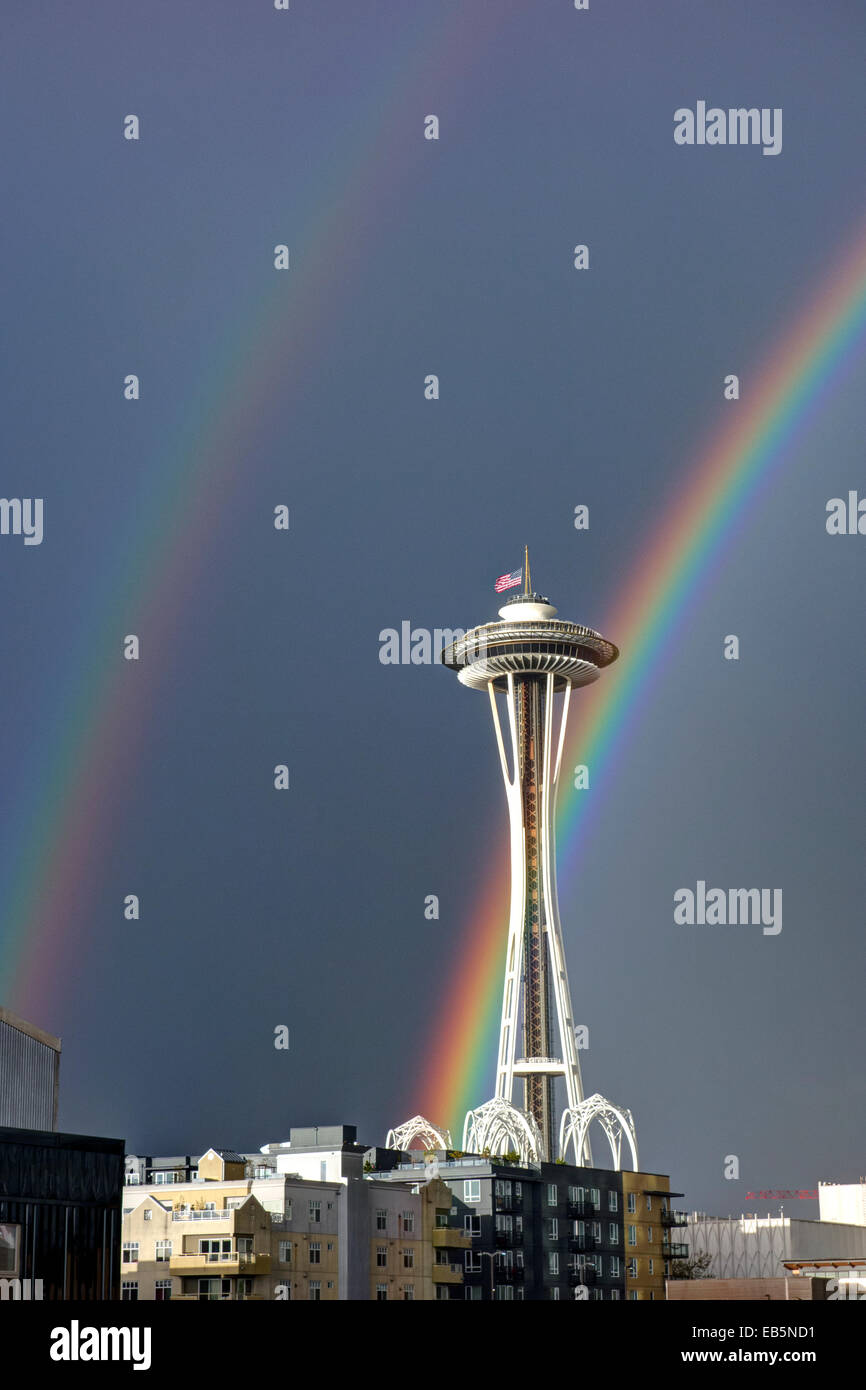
410	257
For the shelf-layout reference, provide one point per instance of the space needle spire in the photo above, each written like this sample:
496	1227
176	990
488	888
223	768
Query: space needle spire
527	662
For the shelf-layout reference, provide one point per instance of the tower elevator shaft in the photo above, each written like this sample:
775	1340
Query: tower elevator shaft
530	697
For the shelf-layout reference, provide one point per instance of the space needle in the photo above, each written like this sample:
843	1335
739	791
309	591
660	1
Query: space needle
534	660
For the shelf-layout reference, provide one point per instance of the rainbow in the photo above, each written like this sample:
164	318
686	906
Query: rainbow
729	475
69	802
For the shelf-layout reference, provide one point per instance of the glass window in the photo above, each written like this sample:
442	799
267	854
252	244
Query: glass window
594	1196
381	1256
162	1290
408	1222
554	1228
613	1201
148	1215
553	1262
409	1293
650	1263
10	1239
285	1252
649	1235
613	1232
130	1252
315	1211
409	1259
381	1219
163	1250
552	1194
129	1291
381	1293
315	1252
315	1290
472	1190
632	1235
472	1224
614	1266
632	1202
649	1203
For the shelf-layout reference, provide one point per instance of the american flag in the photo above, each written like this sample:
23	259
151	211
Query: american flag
508	581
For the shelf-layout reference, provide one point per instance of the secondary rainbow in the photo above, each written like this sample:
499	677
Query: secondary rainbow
730	472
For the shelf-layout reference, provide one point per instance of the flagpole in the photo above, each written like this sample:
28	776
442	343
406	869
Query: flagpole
526	588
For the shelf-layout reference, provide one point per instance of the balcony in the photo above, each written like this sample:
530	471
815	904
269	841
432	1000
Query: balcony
221	1265
191	1214
577	1210
582	1274
449	1238
447	1274
674	1218
671	1251
504	1239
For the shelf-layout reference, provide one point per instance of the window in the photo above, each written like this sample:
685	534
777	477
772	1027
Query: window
614	1266
649	1235
408	1293
129	1291
667	1269
285	1252
408	1222
472	1224
632	1235
553	1262
330	1283
409	1259
614	1295
632	1268
381	1220
10	1237
575	1194
210	1206
664	1205
315	1211
381	1256
613	1232
215	1249
315	1252
594	1197
441	1218
130	1252
518	1226
472	1292
244	1288
315	1290
214	1289
148	1215
518	1192
554	1293
503	1226
650	1264
632	1202
287	1215
649	1203
163	1250
633	1295
554	1228
471	1262
596	1231
472	1190
330	1245
381	1293
505	1293
323	1169
552	1194
162	1290
613	1201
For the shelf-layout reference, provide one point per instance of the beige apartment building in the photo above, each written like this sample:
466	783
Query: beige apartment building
253	1229
650	1223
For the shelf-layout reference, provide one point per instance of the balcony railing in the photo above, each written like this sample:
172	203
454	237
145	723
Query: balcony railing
672	1251
582	1274
675	1218
191	1214
580	1209
578	1243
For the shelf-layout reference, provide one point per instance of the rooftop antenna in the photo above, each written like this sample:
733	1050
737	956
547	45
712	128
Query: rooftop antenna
527	585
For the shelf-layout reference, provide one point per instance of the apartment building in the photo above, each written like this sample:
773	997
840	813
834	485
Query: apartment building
651	1226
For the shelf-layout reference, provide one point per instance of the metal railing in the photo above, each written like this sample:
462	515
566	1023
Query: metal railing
193	1214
